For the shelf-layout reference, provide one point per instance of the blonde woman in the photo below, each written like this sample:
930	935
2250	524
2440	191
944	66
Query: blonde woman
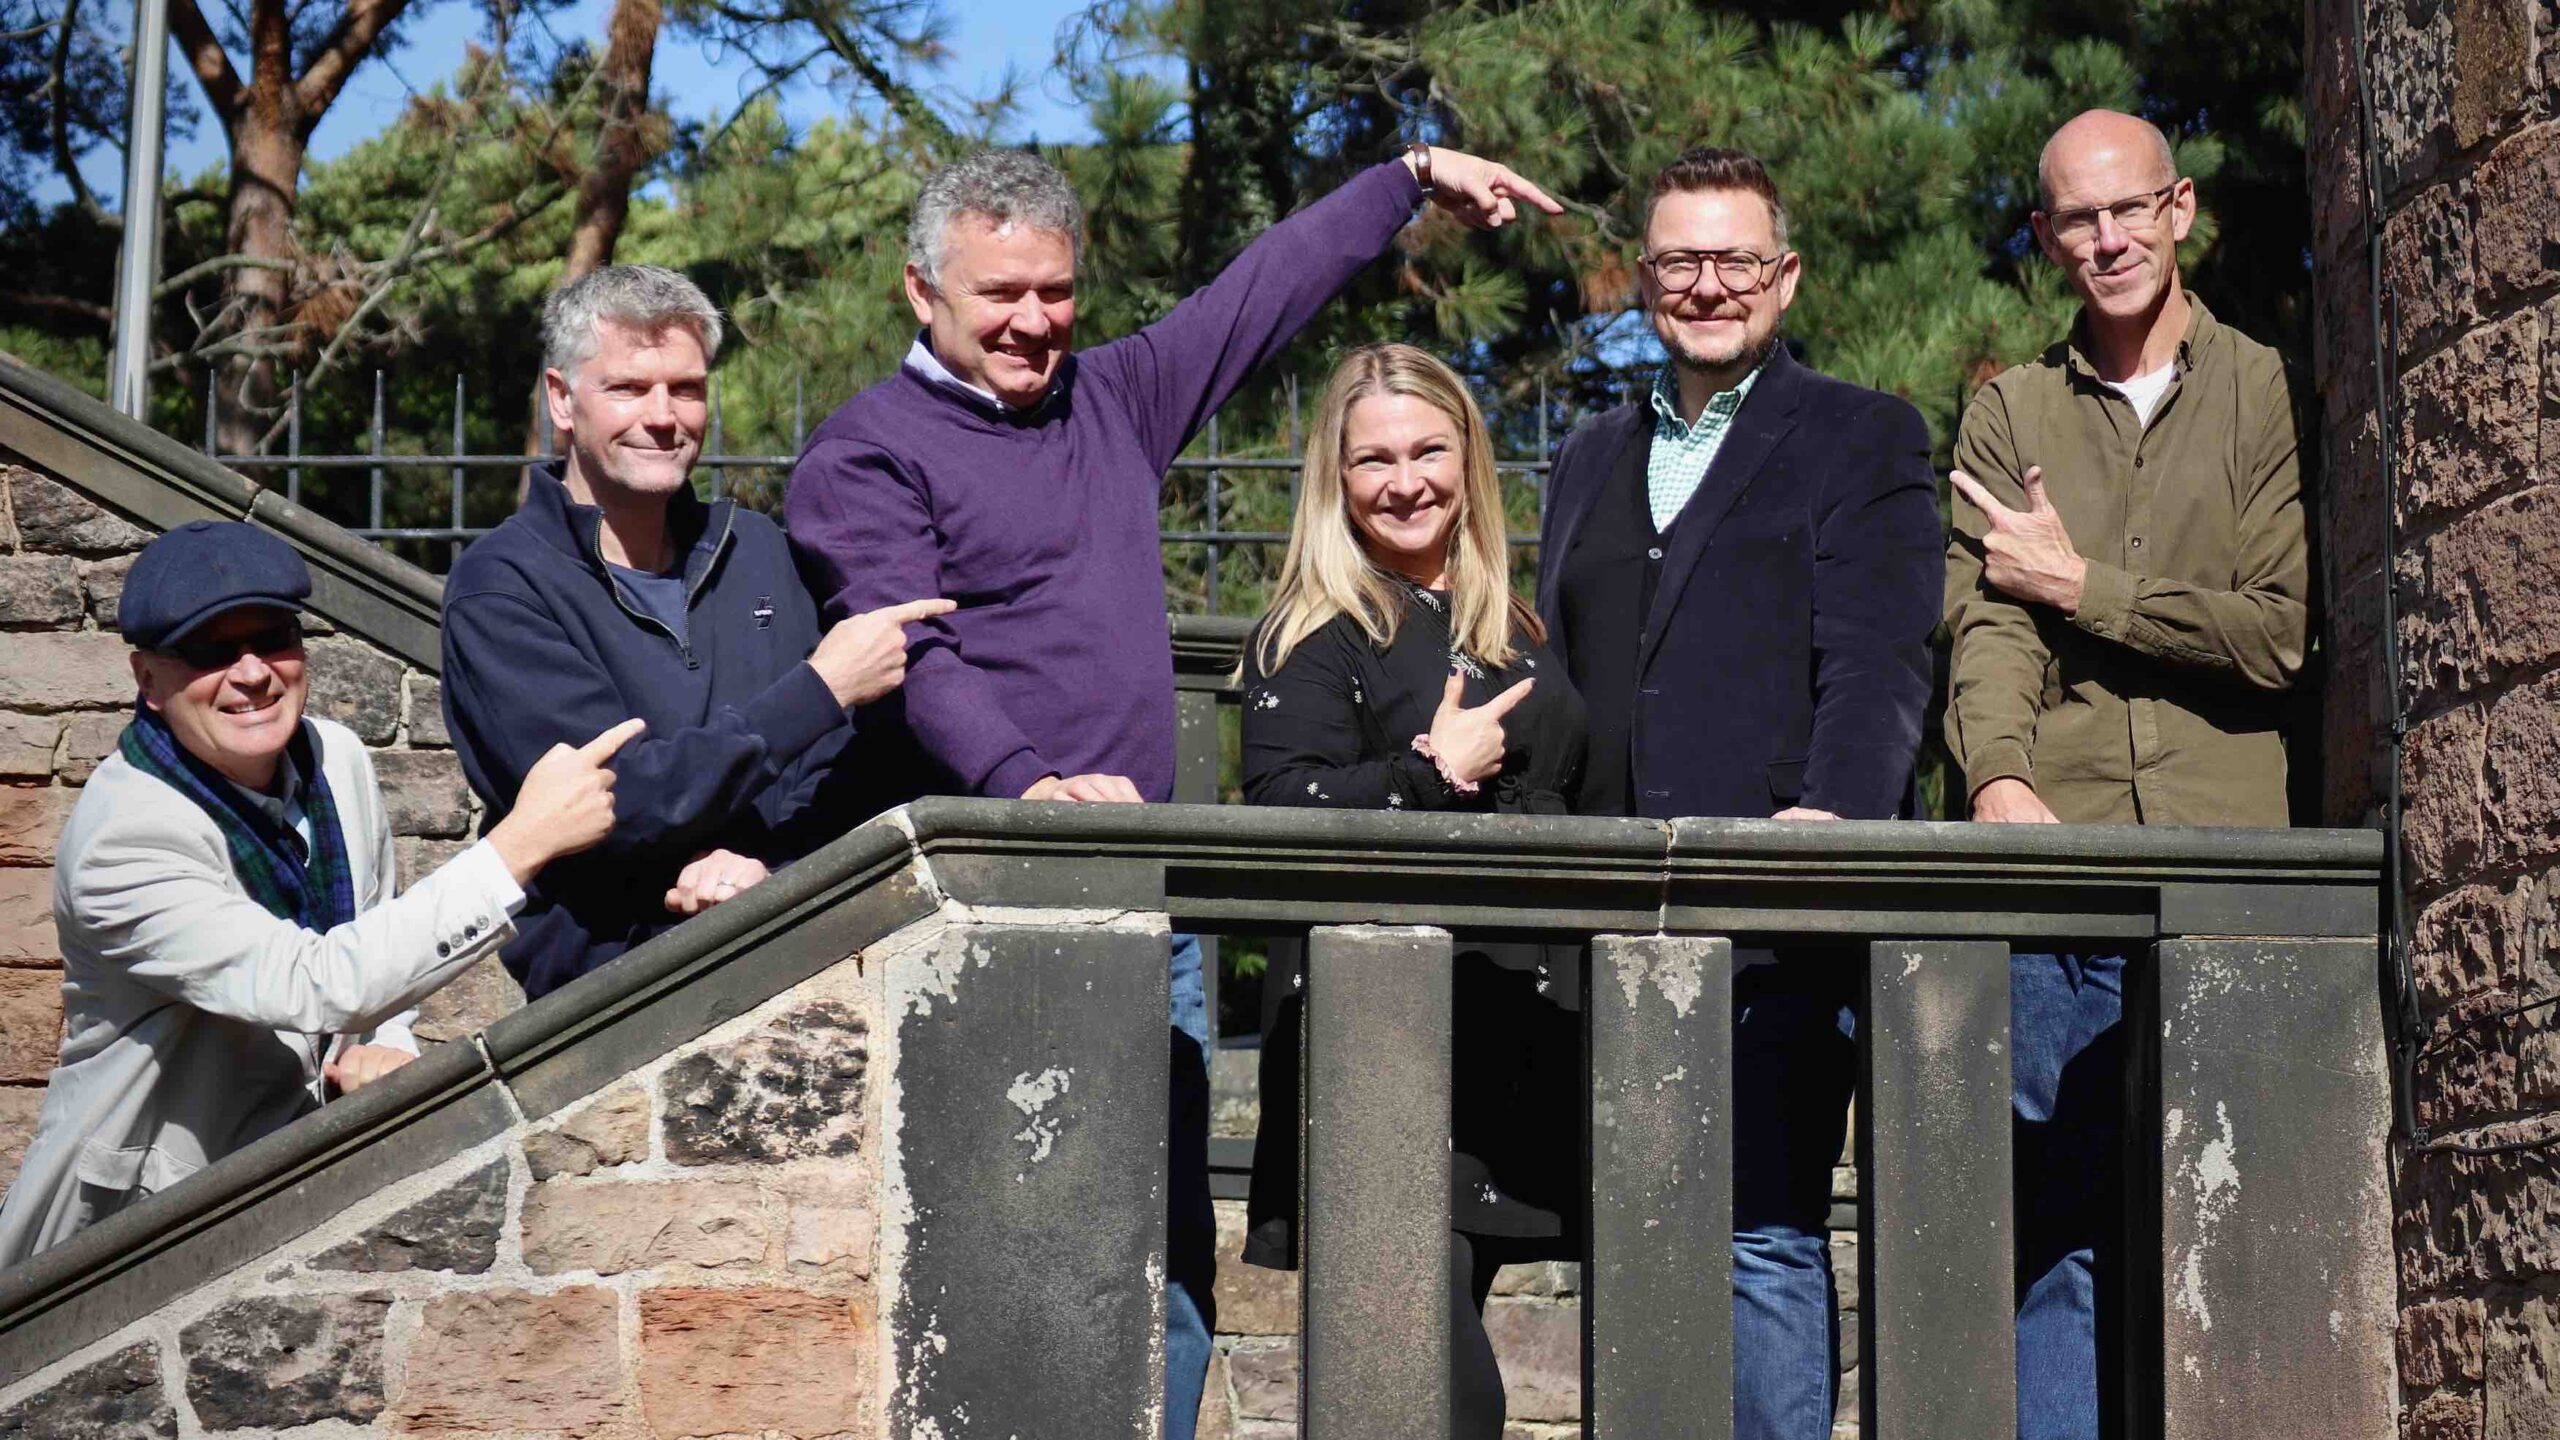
1396	670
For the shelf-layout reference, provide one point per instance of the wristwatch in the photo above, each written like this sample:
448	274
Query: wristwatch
1420	155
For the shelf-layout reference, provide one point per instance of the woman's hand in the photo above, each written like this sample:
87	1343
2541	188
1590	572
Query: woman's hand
1469	743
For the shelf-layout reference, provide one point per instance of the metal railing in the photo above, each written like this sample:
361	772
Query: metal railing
391	475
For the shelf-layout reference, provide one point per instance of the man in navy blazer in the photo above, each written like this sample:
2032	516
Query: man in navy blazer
1740	573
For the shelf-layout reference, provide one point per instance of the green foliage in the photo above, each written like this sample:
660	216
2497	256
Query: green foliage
1905	138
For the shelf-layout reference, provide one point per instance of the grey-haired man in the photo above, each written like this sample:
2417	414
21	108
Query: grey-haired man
615	591
1019	476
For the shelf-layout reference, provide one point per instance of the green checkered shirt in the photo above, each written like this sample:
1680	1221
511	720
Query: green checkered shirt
1682	451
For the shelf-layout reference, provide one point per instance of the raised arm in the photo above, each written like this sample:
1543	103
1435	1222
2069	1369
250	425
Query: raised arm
1174	374
1878	572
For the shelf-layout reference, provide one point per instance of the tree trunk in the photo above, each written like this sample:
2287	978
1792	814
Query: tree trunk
268	119
266	171
267	138
623	142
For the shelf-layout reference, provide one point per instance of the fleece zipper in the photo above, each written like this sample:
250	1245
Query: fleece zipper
693	582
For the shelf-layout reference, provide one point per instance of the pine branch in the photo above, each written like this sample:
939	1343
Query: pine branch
348	42
59	304
219	264
901	98
58	83
205	55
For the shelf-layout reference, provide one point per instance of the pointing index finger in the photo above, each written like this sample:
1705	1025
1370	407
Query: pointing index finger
601	748
1500	705
1512	181
914	610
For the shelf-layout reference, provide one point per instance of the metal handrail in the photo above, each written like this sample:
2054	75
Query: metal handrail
457	528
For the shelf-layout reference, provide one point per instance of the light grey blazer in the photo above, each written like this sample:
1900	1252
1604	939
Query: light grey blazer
194	1022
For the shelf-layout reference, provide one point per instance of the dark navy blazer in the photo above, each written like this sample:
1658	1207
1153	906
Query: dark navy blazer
1785	660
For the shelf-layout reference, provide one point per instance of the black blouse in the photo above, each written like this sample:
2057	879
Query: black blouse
1334	726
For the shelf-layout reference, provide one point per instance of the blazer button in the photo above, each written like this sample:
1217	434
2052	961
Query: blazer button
1655	553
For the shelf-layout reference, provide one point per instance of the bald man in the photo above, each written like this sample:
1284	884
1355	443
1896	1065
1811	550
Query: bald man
2126	589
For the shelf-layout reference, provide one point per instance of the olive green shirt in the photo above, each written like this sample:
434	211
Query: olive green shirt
2158	702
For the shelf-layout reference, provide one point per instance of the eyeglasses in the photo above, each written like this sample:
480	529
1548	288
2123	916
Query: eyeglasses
204	653
1739	271
2078	225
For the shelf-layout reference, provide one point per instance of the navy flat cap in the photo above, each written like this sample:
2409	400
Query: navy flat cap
202	569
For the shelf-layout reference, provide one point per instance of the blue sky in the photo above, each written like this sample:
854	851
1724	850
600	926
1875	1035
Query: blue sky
986	37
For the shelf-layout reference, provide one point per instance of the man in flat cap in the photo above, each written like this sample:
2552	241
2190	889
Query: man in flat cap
231	947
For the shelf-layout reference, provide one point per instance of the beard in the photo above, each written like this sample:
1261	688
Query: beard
1742	356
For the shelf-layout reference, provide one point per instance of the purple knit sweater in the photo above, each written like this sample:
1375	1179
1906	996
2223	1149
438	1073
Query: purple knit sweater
1042	524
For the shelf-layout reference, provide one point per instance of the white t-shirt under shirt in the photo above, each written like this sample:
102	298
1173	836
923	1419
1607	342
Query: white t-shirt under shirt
2144	392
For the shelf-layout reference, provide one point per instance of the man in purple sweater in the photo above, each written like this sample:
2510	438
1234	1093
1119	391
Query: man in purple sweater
1001	470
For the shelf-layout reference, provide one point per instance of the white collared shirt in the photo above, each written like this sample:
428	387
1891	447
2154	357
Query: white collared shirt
922	360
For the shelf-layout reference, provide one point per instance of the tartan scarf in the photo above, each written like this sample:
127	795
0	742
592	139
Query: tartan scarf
316	890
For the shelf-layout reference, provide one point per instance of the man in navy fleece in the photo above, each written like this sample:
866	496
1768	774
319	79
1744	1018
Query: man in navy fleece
1019	478
614	592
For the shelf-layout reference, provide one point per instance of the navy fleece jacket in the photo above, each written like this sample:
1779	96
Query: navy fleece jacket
541	646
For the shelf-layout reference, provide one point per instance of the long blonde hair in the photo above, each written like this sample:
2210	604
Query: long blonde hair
1329	572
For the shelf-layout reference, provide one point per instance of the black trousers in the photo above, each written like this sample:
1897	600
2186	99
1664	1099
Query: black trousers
1476	1407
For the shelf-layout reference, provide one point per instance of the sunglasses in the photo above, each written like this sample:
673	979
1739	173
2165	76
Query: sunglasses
204	653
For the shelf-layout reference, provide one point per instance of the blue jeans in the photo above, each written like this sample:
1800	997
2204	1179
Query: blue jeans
1191	1230
1794	1068
2067	1041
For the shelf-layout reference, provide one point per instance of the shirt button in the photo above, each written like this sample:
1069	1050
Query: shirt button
2137	462
1653	554
2137	542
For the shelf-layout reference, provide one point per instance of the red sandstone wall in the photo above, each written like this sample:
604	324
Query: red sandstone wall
2467	156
